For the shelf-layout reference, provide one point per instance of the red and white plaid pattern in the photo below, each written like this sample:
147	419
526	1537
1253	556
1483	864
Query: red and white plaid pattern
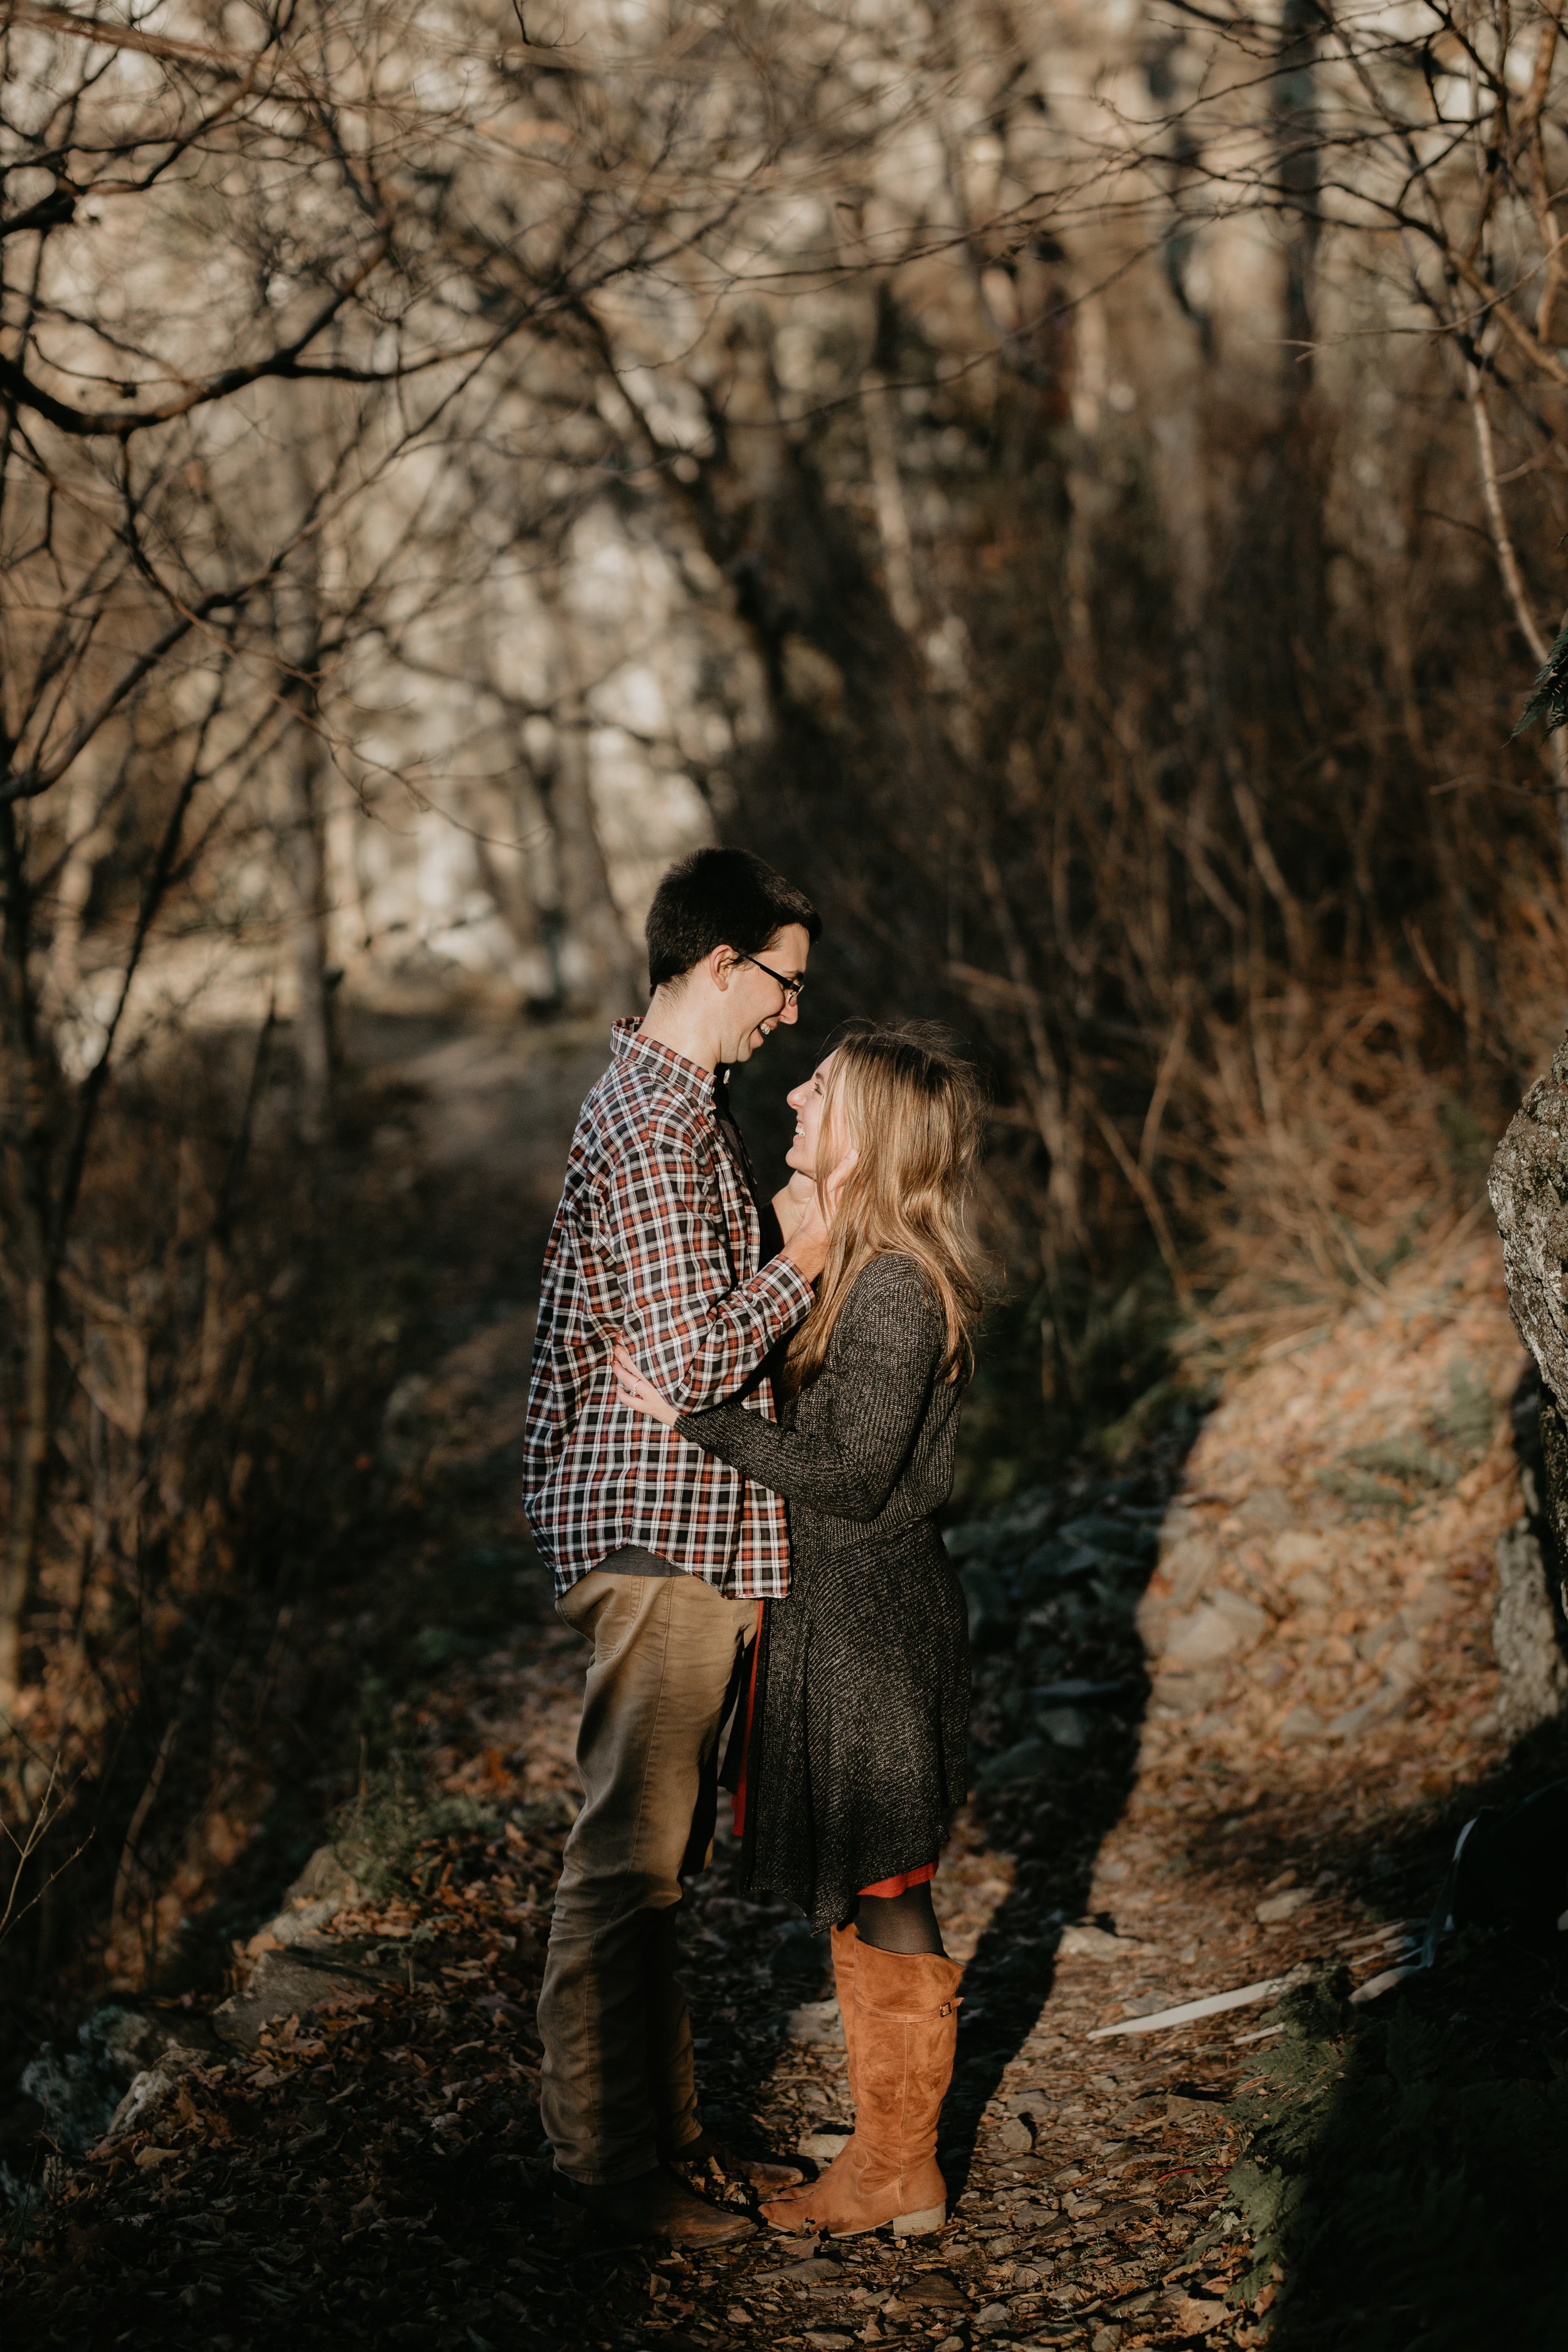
656	1238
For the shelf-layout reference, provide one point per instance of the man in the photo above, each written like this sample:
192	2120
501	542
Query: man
660	1551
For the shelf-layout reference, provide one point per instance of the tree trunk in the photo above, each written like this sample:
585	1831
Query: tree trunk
34	1288
315	1030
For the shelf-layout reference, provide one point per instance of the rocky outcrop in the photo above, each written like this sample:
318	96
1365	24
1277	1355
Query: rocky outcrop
1528	1184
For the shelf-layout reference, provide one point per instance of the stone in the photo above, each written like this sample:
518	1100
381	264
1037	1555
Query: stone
1224	1624
1533	1674
323	1889
1298	1550
817	2024
1013	2137
1094	1944
822	2146
1025	1761
1528	1184
934	2287
1189	1565
1266	1510
1381	1707
816	2270
991	2318
295	1982
1302	1723
828	2339
141	2103
1189	1694
1275	1908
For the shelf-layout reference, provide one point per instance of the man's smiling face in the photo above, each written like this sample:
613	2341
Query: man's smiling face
755	1002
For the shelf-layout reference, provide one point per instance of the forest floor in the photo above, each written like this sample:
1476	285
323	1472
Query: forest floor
1274	1797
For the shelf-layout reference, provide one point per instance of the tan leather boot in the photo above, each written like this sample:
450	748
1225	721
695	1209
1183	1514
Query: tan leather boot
906	2032
844	1942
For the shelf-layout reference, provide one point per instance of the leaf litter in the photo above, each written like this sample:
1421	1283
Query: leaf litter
372	2171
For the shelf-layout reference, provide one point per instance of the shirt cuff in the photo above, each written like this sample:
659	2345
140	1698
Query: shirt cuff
781	1281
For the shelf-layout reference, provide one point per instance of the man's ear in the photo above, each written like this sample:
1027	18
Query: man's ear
722	962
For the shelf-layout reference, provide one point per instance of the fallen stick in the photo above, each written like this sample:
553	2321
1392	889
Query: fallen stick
1190	2011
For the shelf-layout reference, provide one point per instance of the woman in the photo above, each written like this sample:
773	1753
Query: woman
858	1755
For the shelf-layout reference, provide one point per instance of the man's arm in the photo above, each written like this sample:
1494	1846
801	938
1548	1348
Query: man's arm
698	1334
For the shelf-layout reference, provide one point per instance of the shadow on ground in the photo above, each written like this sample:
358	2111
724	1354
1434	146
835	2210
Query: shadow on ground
1406	2167
1059	1692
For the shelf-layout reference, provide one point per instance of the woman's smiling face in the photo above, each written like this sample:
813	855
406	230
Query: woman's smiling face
806	1104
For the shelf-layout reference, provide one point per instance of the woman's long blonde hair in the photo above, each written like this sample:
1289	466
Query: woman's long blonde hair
911	1108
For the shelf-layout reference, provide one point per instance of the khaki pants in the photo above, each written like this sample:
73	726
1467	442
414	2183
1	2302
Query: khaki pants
617	2089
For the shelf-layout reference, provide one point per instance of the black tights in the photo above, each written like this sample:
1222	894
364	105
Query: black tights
898	1923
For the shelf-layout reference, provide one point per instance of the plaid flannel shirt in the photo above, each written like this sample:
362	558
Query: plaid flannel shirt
657	1239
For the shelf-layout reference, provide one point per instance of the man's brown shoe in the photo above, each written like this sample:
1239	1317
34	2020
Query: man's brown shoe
653	2206
704	2155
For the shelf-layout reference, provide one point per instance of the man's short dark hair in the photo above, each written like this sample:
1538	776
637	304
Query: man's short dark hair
720	899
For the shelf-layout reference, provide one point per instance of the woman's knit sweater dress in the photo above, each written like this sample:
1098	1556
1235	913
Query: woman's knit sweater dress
858	1752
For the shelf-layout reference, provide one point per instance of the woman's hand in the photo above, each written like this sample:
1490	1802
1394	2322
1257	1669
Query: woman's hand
641	1394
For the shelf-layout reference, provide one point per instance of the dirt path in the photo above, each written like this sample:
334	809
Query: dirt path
1322	1691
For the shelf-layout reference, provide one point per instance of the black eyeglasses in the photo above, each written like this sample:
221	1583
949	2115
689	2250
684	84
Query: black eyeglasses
791	987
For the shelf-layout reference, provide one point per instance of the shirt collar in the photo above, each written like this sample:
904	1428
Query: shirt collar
691	1078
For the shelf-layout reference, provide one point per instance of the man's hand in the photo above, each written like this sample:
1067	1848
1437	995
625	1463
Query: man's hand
790	1201
807	1247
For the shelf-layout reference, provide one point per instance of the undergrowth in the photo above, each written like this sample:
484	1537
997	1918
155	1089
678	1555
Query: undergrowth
1408	2165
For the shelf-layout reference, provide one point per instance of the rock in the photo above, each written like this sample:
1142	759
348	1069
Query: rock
1026	1761
1528	1183
817	2023
1013	2137
828	2339
1094	1944
1297	1549
1224	1624
816	2270
1532	1673
1381	1707
1302	1723
323	1888
141	2103
83	2092
294	1982
1183	2110
1266	1510
822	2146
935	2288
1275	1908
1188	1566
1186	1694
991	2318
1121	1539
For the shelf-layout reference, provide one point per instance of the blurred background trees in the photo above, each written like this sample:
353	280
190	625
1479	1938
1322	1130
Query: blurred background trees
1080	493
